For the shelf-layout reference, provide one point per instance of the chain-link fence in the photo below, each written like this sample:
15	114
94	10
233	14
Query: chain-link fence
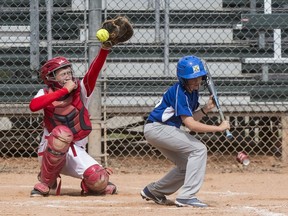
244	43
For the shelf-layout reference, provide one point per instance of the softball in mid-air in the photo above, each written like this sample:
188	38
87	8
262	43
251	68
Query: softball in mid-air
102	35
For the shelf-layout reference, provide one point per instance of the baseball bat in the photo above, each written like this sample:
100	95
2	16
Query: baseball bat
212	90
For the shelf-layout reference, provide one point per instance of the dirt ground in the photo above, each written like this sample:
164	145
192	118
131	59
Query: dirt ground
228	189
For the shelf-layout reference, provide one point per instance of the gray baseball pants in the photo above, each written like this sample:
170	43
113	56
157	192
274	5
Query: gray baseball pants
186	152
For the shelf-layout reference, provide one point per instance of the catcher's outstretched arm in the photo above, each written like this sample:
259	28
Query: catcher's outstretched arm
92	74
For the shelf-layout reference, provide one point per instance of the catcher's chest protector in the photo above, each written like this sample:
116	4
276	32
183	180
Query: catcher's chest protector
70	112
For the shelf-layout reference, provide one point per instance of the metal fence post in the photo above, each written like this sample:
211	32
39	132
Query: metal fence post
49	12
94	145
157	21
284	122
34	37
166	33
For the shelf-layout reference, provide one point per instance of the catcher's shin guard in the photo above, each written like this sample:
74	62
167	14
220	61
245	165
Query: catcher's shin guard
54	158
96	181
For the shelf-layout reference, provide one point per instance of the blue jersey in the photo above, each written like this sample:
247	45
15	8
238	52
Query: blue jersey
175	102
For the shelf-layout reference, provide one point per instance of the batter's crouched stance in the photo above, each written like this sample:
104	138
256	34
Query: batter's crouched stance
66	128
178	105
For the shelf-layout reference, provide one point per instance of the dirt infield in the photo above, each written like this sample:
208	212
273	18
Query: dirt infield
259	191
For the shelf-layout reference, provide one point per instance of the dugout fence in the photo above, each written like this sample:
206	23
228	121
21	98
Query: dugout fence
244	43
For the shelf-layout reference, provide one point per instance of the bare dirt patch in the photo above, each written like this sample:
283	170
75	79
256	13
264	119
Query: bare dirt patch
229	189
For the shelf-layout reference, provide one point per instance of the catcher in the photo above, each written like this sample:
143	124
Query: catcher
66	120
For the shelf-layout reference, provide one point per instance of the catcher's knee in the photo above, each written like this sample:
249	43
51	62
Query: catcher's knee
59	140
96	181
54	156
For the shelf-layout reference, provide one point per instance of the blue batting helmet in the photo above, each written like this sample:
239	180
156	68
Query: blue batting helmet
190	67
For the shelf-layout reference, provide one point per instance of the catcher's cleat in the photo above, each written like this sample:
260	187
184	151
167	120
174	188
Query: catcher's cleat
147	195
40	189
110	190
193	202
36	193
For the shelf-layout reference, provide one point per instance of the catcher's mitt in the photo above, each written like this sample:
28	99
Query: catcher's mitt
120	30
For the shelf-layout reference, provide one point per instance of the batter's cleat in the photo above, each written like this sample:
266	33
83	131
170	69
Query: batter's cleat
161	200
193	202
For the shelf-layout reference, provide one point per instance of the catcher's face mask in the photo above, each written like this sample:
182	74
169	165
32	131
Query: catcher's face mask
62	75
56	72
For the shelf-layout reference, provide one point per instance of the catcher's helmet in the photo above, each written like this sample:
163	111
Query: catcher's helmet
48	69
190	67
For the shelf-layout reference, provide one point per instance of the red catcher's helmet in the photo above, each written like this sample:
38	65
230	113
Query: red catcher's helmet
50	67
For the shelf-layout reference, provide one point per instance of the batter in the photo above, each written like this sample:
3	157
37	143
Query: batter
179	105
